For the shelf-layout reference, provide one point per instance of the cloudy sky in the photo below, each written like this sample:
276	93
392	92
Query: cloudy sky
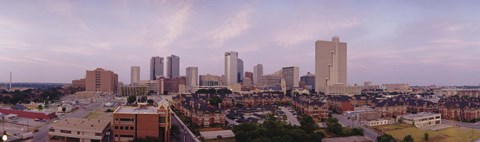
417	42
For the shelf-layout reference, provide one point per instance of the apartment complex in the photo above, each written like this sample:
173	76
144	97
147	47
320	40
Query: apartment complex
100	80
80	130
330	63
142	121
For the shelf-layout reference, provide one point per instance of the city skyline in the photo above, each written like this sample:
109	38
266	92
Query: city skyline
420	43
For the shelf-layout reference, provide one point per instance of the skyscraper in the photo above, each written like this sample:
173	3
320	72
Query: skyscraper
308	80
257	75
231	68
330	63
291	76
134	74
192	77
240	71
173	66
156	67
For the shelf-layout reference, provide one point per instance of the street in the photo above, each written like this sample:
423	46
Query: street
368	133
290	117
185	135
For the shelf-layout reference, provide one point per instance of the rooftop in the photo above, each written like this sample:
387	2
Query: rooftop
93	125
419	115
137	110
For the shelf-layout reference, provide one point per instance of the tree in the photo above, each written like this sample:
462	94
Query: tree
357	131
385	138
425	136
143	99
307	124
131	99
40	107
408	138
150	101
215	100
333	126
174	131
64	109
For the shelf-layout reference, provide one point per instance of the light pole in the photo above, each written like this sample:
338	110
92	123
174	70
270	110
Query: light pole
108	136
4	136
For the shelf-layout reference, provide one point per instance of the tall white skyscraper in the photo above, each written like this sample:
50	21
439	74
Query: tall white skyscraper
173	66
156	67
291	76
135	74
240	71
231	67
330	63
192	77
257	75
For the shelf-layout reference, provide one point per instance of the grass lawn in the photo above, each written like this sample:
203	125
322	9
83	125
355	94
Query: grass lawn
452	134
221	140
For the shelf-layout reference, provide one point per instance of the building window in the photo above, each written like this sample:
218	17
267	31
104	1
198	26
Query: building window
65	131
131	127
52	130
127	120
98	134
116	127
127	136
161	120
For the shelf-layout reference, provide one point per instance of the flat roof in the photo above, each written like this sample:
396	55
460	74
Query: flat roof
419	115
82	124
137	110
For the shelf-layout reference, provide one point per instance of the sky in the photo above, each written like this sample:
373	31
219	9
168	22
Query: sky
428	42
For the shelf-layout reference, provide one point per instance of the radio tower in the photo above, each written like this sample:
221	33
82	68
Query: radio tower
10	89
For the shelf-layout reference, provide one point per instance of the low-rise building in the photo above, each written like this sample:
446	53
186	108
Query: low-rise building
422	119
142	121
80	130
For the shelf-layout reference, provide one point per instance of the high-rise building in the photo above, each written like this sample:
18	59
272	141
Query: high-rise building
330	63
240	71
100	80
211	80
231	67
135	74
156	67
249	75
173	66
291	76
308	80
257	75
141	122
192	78
175	85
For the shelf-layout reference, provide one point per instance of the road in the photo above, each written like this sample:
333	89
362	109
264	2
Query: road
290	117
42	134
367	132
461	124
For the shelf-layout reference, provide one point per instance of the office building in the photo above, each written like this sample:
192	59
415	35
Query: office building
192	78
80	84
308	80
100	80
173	66
291	76
330	63
240	71
142	121
134	75
257	75
133	90
80	130
211	80
231	67
156	67
249	75
421	119
175	85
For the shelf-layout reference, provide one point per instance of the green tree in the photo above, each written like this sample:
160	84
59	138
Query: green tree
131	99
357	131
334	127
307	124
215	101
385	138
408	138
40	107
150	101
425	136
